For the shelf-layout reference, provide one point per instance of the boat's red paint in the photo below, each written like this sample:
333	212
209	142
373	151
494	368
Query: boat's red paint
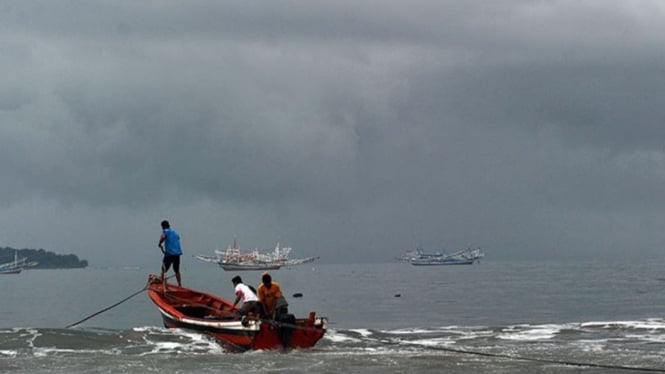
186	308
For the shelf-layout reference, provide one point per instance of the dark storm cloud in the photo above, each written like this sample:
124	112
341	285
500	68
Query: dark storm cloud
361	129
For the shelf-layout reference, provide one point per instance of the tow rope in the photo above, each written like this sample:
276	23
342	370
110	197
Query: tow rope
114	305
107	308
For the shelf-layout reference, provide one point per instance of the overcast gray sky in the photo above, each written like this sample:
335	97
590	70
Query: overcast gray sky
352	130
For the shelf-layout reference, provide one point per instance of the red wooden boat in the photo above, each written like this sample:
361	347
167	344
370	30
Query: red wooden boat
186	308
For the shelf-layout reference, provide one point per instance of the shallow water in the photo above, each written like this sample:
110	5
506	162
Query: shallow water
498	317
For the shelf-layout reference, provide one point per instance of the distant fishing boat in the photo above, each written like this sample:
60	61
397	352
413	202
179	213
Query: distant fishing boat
280	255
464	257
233	259
418	253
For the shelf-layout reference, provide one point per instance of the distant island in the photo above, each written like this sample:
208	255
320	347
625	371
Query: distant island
43	258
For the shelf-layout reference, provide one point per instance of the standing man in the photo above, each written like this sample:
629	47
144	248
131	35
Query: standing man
171	240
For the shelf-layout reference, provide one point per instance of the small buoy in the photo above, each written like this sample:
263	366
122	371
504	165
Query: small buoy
297	294
397	295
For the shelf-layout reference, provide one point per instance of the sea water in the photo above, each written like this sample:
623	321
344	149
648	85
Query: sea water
492	317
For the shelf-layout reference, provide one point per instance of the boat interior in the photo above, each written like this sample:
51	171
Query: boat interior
200	306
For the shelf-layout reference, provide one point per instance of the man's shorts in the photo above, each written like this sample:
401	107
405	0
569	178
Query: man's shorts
168	260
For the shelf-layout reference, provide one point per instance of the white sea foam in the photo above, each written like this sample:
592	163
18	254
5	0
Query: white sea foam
201	342
191	341
468	335
409	331
50	351
435	342
362	332
337	337
149	329
650	324
591	345
8	353
651	338
32	335
162	347
530	333
454	332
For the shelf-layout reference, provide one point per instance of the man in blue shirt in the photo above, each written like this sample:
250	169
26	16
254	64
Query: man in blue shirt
169	243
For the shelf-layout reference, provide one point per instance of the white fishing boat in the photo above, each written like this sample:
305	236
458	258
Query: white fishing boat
280	255
464	257
235	259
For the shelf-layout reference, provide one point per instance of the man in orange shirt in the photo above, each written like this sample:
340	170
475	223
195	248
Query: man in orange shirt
270	296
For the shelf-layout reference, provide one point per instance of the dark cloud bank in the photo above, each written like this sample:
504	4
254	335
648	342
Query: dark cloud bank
349	131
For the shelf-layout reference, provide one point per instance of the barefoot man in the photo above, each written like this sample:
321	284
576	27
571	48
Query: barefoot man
171	240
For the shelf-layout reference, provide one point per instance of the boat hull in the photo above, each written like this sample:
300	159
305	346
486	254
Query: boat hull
241	266
11	271
194	310
442	262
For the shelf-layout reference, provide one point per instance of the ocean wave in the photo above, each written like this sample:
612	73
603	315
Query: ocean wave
339	337
163	341
593	336
8	353
140	341
589	336
530	332
648	324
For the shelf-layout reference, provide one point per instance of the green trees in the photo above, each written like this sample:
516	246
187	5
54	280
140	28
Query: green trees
44	259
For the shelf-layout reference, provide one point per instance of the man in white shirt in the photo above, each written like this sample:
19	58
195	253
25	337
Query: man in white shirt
244	293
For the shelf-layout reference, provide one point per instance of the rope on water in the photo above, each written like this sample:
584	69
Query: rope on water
533	359
112	306
107	308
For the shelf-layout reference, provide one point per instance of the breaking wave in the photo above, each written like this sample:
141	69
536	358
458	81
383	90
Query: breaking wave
476	348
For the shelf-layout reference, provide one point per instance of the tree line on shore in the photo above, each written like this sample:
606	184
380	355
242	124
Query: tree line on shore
44	259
